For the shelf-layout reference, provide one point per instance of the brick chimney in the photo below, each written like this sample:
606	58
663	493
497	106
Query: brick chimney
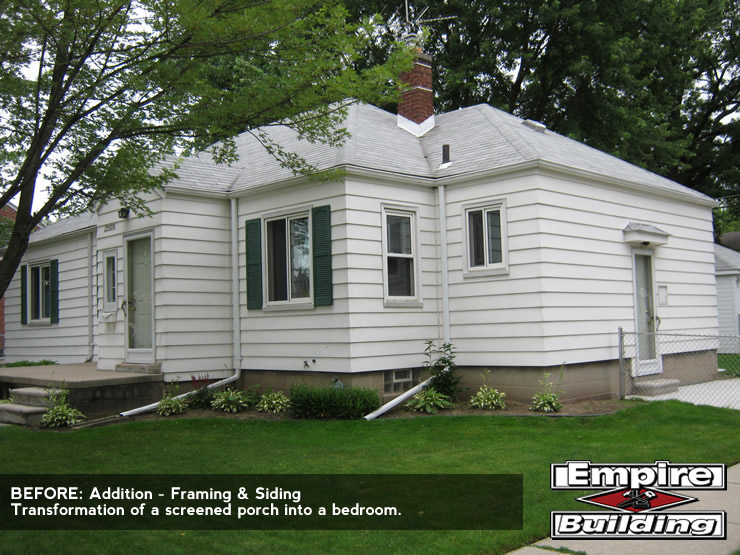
416	106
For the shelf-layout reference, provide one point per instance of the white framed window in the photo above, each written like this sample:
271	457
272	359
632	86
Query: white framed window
288	258
401	255
486	238
39	293
110	281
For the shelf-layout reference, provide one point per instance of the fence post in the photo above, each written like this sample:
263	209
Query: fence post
621	363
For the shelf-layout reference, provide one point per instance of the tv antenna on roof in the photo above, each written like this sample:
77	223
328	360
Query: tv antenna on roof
413	24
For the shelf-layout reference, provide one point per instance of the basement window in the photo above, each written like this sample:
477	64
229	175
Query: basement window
398	381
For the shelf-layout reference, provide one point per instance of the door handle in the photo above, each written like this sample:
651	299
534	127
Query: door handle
123	307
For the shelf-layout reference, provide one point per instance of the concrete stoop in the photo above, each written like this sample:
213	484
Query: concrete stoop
28	406
653	388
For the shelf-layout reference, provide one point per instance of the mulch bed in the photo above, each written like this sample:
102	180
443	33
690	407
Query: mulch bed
570	408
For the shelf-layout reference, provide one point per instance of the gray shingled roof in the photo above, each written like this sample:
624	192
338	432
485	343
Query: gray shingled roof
481	139
66	226
726	260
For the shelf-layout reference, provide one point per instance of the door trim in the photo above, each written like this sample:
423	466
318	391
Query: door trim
138	356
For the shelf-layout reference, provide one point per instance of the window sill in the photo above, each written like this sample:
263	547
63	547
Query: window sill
485	272
287	306
39	323
402	303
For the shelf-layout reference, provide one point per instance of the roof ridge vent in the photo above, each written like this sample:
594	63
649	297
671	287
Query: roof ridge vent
536	125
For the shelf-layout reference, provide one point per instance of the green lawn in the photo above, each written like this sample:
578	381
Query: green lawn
642	433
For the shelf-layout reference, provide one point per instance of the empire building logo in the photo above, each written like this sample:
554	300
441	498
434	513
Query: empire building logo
637	495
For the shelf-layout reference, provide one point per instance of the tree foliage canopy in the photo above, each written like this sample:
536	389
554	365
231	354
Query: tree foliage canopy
655	83
93	93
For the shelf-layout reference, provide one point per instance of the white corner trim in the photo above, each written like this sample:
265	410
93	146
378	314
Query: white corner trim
416	129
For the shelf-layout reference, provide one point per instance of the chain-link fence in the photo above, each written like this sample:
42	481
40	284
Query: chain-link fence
698	369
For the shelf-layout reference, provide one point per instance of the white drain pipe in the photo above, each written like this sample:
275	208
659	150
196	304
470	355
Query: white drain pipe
235	316
397	401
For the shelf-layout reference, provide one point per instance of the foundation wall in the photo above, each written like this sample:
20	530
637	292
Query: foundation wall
595	380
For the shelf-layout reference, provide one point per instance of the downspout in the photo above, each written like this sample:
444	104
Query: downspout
235	317
444	268
90	310
442	198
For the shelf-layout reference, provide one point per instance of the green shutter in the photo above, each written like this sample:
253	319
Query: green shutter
254	264
54	290
24	295
322	285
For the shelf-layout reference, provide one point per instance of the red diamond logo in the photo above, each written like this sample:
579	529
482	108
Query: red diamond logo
636	500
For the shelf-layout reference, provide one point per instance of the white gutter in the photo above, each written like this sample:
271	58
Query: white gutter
444	268
397	401
235	317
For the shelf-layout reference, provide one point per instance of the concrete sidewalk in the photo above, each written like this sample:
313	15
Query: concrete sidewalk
728	501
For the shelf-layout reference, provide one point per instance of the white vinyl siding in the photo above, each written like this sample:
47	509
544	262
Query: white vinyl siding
68	340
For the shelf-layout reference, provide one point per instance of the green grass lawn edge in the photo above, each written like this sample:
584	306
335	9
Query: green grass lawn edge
467	444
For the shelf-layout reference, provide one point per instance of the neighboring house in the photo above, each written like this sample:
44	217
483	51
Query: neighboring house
728	297
7	212
523	248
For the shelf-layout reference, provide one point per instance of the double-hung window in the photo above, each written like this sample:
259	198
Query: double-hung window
401	257
288	258
40	292
486	238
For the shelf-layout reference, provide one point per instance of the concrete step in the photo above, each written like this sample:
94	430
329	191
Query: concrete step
651	388
12	413
139	368
32	396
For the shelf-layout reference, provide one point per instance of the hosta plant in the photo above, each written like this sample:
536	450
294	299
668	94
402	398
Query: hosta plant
230	400
170	404
274	402
60	413
487	398
547	400
430	401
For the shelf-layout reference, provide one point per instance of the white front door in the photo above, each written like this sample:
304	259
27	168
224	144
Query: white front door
139	301
648	359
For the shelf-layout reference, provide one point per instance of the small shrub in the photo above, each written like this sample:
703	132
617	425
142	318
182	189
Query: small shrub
442	369
487	398
202	395
332	401
170	403
547	400
252	396
429	400
274	402
231	400
60	413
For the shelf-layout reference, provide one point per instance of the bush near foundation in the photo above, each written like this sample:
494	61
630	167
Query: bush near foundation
346	403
